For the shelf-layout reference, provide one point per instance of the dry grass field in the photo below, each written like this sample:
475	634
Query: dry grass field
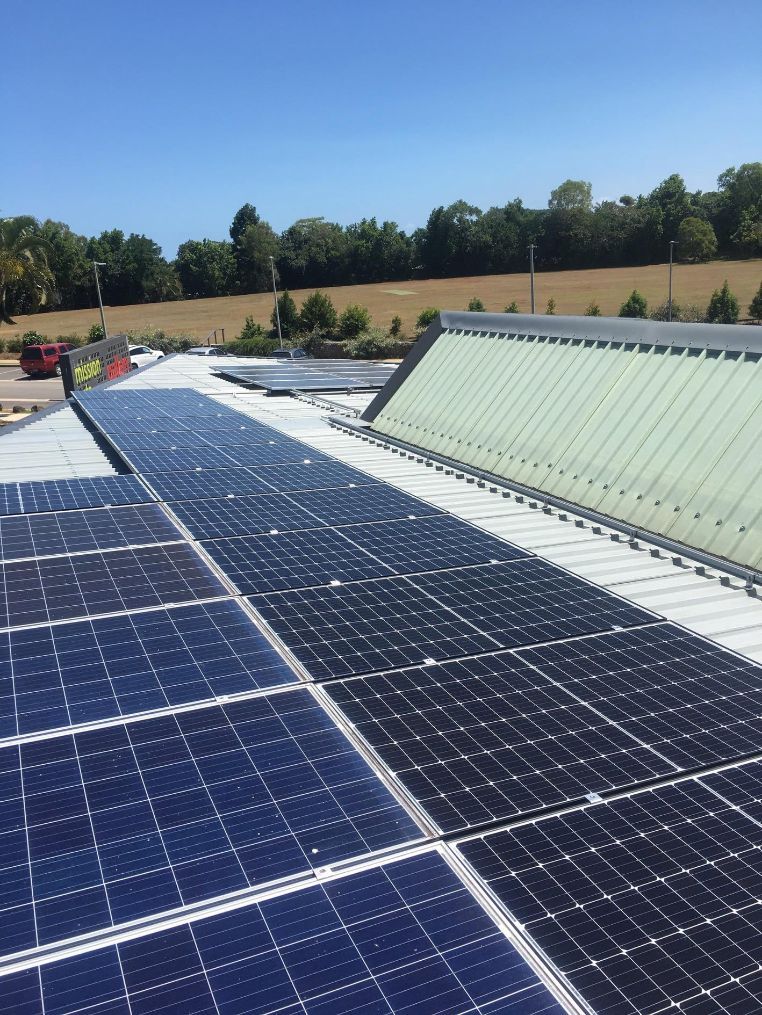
572	291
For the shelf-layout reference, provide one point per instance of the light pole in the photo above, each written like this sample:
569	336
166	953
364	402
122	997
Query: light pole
96	266
532	249
275	297
669	302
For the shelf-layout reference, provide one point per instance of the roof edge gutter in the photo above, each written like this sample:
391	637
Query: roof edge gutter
750	576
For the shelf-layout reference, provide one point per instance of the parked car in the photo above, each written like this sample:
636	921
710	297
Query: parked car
289	354
140	355
43	360
206	350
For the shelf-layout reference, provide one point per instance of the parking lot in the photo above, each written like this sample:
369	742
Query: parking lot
17	388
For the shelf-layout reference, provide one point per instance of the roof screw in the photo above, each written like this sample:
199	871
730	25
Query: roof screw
697	515
718	522
657	502
742	528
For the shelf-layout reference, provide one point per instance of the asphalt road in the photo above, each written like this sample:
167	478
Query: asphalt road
17	388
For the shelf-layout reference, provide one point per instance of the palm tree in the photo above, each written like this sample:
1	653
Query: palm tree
23	261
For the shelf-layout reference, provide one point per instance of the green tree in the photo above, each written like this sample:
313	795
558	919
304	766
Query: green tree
206	268
572	194
245	216
674	202
67	259
723	306
289	315
318	313
748	236
696	240
755	307
551	307
395	328
512	308
313	253
634	306
353	321
23	264
256	245
426	316
593	310
475	305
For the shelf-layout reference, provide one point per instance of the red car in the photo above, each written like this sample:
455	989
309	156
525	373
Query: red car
43	360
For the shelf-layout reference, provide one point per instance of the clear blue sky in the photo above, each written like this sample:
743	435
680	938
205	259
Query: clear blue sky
164	117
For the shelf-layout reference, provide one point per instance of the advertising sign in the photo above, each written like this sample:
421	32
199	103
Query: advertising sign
93	364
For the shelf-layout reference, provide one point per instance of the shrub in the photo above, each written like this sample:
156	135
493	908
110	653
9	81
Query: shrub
755	307
512	308
258	345
634	306
313	341
395	328
95	334
318	312
696	240
2	345
426	316
371	344
13	345
289	315
33	338
550	307
593	310
75	340
476	306
661	313
251	330
354	321
723	306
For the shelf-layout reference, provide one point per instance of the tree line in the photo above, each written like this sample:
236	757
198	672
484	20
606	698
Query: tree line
460	239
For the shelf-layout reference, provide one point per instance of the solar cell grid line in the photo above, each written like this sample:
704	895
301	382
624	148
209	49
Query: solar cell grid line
488	738
205	484
129	821
405	937
693	701
94	671
154	440
39	535
10	499
740	785
530	600
65	494
368	503
285	452
382	624
65	588
316	475
243	515
644	903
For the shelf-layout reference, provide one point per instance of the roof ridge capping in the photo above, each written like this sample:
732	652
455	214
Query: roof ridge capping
722	337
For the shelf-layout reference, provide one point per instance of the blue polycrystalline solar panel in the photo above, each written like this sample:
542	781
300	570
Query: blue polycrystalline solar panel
366	626
97	670
367	503
63	494
238	516
128	821
64	588
643	903
693	701
389	623
207	483
489	738
321	556
406	937
38	535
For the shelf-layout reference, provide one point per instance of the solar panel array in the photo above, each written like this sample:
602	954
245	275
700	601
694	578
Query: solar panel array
456	706
310	375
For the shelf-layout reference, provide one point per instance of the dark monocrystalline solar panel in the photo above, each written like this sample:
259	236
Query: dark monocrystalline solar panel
489	738
182	437
280	453
97	670
691	700
643	903
741	786
64	588
208	483
292	560
406	937
130	820
76	531
63	494
240	516
394	622
316	476
188	459
368	503
366	626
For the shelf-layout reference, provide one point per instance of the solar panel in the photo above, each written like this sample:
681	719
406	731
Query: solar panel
406	937
239	516
187	459
63	494
390	623
368	503
180	437
64	588
75	531
489	738
691	700
643	903
315	476
206	483
366	626
97	670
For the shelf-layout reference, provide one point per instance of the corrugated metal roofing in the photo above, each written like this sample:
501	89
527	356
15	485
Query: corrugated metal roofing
55	445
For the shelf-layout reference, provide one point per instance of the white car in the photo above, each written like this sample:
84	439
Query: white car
140	355
206	350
